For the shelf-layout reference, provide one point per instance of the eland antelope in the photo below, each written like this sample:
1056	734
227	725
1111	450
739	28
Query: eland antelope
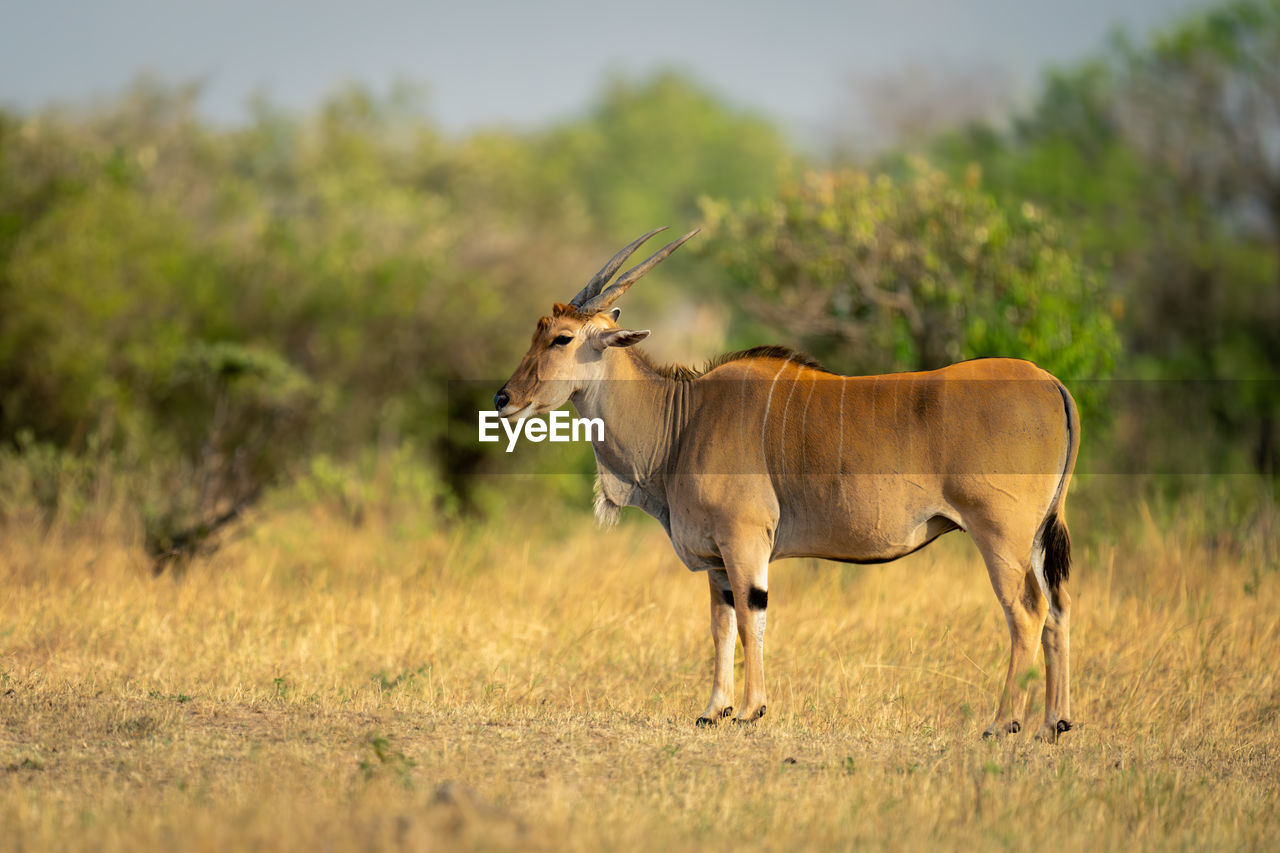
765	455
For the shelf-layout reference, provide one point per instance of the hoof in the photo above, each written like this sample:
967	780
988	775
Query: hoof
751	719
1010	728
1050	732
702	722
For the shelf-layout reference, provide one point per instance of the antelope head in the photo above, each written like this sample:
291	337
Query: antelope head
570	347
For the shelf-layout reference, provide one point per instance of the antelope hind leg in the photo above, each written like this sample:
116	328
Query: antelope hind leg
1056	640
1024	609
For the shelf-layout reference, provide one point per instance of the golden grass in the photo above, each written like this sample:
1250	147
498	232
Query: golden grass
514	685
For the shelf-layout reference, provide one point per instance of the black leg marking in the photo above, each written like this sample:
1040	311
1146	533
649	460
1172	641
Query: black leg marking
1063	726
757	598
1013	728
758	715
726	595
727	712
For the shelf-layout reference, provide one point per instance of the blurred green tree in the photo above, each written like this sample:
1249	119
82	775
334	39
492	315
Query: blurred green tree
649	149
1162	159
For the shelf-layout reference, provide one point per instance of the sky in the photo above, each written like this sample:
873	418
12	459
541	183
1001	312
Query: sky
525	64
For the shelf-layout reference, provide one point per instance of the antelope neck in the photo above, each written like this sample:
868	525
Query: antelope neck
644	415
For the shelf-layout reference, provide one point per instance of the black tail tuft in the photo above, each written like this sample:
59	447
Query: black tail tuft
1057	552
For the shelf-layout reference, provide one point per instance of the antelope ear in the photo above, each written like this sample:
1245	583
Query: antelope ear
620	338
615	313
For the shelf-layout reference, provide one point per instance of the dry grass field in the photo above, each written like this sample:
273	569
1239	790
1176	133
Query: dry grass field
527	685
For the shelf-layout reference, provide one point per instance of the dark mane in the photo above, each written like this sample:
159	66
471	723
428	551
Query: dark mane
684	373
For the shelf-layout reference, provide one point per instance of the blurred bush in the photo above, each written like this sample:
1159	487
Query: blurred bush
210	305
237	419
874	274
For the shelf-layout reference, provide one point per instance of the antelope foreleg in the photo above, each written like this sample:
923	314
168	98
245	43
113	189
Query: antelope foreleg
748	569
723	624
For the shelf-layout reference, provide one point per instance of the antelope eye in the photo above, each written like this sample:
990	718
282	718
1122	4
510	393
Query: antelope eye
561	340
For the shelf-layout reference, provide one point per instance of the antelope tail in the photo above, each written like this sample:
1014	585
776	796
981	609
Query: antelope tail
1054	538
1056	542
